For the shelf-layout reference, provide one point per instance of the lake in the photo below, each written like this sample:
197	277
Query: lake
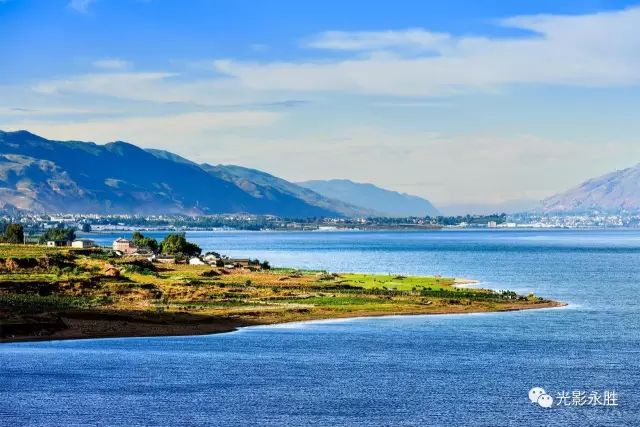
473	369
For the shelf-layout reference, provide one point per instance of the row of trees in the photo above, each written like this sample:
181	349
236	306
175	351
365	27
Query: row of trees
172	244
14	233
66	234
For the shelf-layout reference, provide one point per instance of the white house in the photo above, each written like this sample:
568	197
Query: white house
83	243
196	261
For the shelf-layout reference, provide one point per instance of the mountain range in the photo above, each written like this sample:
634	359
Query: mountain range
613	192
384	202
41	175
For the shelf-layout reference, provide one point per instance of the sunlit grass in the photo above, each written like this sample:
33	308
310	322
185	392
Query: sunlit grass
396	282
81	282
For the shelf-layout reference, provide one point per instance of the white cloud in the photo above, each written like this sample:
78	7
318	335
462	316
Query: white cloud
81	6
175	131
125	85
112	64
50	111
160	87
417	39
597	50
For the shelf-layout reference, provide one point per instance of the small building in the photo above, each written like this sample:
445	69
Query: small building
492	224
210	259
125	246
238	262
57	243
196	261
165	259
83	243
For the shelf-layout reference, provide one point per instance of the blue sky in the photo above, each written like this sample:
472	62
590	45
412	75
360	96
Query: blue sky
462	102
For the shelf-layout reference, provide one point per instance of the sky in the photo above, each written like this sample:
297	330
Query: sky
463	102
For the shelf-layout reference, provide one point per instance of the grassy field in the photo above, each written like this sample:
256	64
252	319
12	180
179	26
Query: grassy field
8	250
64	293
397	282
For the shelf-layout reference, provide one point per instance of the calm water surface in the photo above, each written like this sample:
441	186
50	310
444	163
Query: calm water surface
421	370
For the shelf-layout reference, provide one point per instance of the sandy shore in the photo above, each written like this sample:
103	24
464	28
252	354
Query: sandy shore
90	325
461	282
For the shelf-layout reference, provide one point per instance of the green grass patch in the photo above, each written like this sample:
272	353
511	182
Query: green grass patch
218	303
37	303
397	282
8	250
339	300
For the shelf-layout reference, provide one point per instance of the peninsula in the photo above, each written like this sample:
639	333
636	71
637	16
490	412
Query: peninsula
64	292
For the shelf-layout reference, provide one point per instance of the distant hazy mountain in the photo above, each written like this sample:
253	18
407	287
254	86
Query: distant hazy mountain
261	184
53	176
385	202
615	191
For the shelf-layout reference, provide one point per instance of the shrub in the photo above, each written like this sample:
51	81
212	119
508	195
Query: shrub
59	233
177	244
13	233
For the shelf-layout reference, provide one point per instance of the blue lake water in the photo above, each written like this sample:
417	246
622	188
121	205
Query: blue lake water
409	370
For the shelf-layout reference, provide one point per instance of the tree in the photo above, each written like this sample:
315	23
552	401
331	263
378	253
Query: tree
86	227
177	244
59	233
140	241
14	233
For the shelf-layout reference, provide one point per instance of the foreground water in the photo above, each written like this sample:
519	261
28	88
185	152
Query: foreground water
422	370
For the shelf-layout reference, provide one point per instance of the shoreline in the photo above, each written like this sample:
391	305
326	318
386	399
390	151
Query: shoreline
51	293
92	326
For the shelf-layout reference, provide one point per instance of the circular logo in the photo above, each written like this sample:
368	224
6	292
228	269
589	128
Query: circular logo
535	393
545	401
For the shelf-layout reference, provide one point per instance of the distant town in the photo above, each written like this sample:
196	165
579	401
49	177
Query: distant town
36	224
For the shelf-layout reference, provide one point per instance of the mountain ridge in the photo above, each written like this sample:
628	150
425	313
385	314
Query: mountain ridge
257	182
369	196
612	192
41	175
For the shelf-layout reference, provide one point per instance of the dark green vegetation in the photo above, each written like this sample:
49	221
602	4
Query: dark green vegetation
177	244
65	292
140	241
66	234
12	233
173	244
